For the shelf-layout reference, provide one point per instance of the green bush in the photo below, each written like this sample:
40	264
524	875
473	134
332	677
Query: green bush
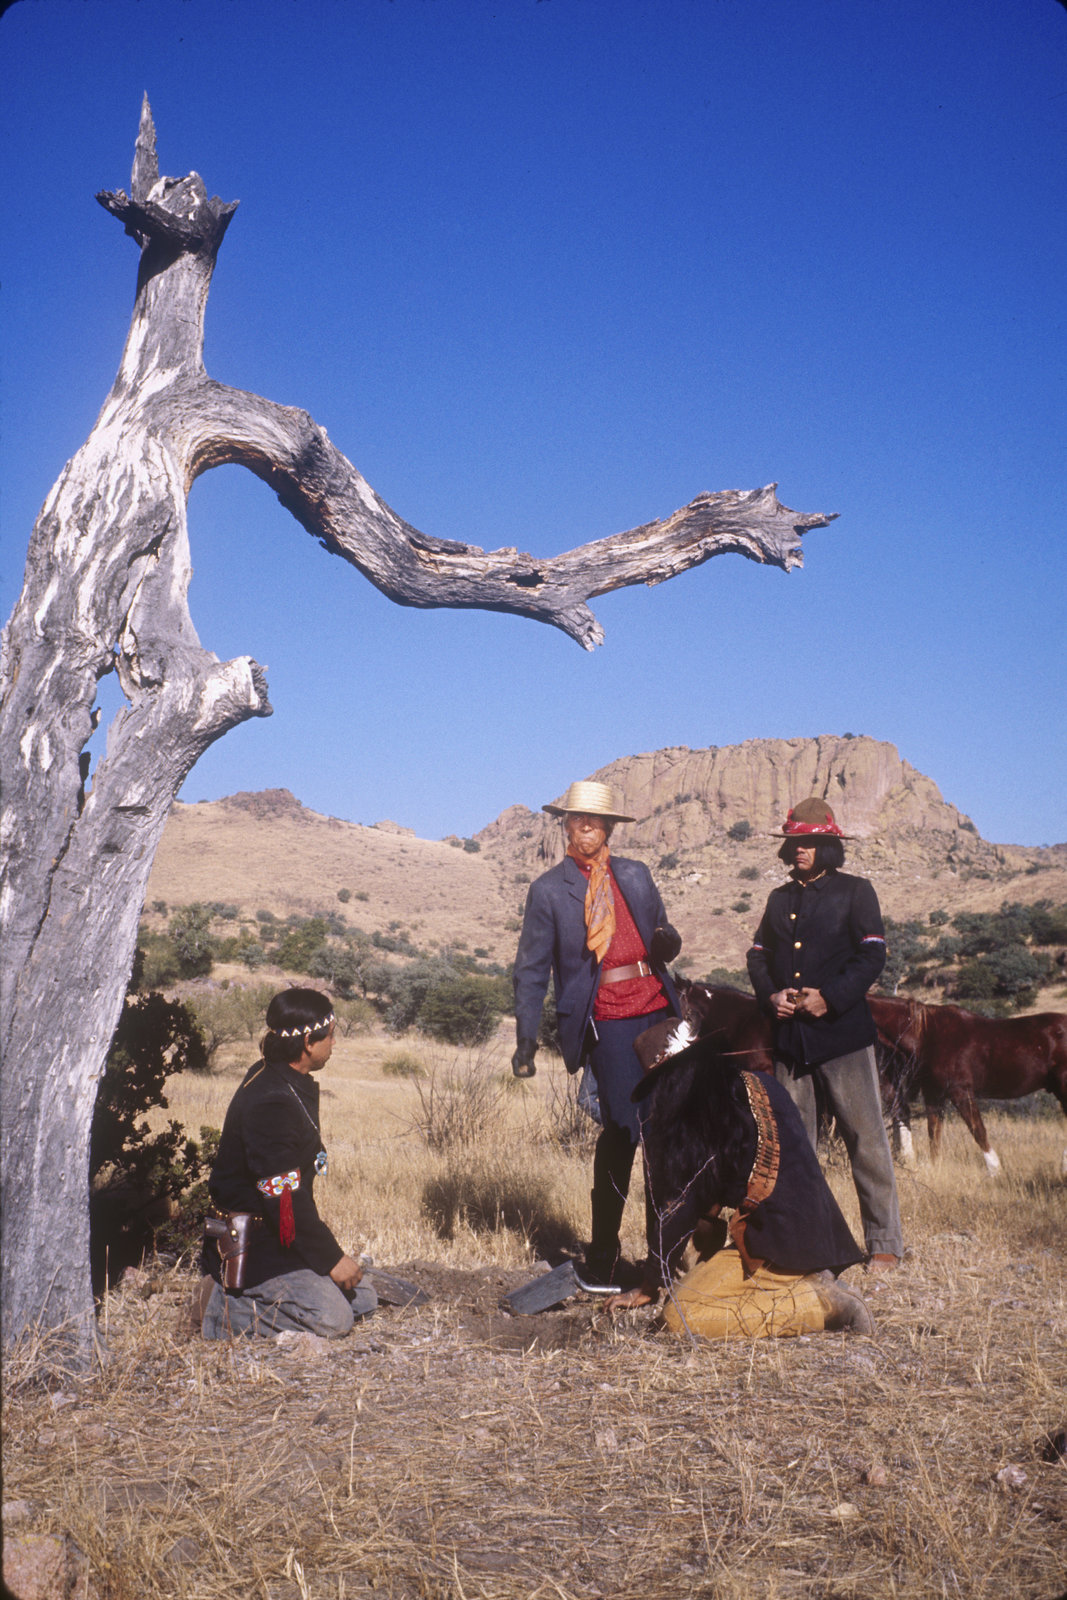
298	944
667	862
156	966
739	831
190	933
140	1180
462	1010
750	874
344	895
403	1064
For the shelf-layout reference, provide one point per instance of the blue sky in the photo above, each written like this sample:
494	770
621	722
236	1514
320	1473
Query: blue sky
544	270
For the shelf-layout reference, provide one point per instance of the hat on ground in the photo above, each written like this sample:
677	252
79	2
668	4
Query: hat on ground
593	799
812	818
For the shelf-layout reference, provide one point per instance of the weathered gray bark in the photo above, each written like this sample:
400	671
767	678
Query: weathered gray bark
105	590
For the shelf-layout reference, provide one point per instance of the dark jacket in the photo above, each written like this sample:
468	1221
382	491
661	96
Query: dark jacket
824	935
271	1127
701	1138
552	943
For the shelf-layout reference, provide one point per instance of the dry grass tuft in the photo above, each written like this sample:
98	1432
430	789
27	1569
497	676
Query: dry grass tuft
453	1452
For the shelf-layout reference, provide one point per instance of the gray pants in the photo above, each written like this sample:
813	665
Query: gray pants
301	1301
850	1087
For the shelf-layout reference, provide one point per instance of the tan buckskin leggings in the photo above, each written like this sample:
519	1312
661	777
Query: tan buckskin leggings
716	1301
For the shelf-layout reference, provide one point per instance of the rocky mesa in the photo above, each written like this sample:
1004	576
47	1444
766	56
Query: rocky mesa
705	821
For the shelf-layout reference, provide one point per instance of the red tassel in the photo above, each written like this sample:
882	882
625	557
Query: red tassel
287	1224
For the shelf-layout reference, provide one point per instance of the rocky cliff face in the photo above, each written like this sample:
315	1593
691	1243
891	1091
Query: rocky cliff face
688	800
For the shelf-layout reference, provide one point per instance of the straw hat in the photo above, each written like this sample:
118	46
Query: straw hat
811	819
594	799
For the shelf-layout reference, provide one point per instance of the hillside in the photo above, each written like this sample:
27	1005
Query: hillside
267	851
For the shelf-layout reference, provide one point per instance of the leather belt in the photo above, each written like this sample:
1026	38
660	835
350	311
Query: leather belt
636	969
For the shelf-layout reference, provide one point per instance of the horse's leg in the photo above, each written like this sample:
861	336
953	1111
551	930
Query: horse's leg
967	1106
935	1122
903	1142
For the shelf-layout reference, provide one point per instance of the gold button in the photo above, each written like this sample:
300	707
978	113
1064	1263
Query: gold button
797	945
796	977
792	916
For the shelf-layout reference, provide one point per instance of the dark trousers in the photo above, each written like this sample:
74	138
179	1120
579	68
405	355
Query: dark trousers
617	1072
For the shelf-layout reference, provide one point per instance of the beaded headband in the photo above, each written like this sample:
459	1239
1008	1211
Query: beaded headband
298	1033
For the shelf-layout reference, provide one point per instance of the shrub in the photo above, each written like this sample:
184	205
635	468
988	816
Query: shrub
156	963
340	965
750	874
938	919
403	1064
1048	923
461	1010
548	1029
231	1014
741	906
190	933
344	895
354	1015
570	1129
459	1104
667	862
137	1177
728	978
739	831
300	942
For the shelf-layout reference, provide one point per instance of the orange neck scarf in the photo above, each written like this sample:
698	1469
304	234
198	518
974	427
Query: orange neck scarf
599	901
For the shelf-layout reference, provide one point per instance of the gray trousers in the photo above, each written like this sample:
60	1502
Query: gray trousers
301	1301
849	1085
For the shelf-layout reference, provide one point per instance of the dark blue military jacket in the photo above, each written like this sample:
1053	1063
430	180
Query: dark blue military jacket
825	935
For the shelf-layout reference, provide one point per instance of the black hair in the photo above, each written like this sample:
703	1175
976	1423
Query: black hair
304	1015
829	851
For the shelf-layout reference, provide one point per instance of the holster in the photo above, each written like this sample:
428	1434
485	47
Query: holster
231	1232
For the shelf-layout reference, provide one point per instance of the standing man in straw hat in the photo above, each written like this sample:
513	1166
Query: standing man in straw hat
596	924
818	949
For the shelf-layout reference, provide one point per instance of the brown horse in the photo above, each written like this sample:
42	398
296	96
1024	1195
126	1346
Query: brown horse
953	1055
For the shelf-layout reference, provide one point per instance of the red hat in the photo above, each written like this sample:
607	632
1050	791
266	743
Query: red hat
811	819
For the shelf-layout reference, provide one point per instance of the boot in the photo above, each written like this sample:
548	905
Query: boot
845	1311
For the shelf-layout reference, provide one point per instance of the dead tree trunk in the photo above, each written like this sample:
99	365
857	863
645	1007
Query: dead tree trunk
105	591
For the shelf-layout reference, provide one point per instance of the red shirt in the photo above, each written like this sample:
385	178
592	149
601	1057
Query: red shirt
630	997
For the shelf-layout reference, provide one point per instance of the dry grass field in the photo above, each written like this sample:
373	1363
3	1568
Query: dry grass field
455	1453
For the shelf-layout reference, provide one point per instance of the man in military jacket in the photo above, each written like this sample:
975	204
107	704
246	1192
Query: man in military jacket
819	947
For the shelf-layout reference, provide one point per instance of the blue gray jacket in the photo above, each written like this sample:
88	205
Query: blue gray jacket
552	943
